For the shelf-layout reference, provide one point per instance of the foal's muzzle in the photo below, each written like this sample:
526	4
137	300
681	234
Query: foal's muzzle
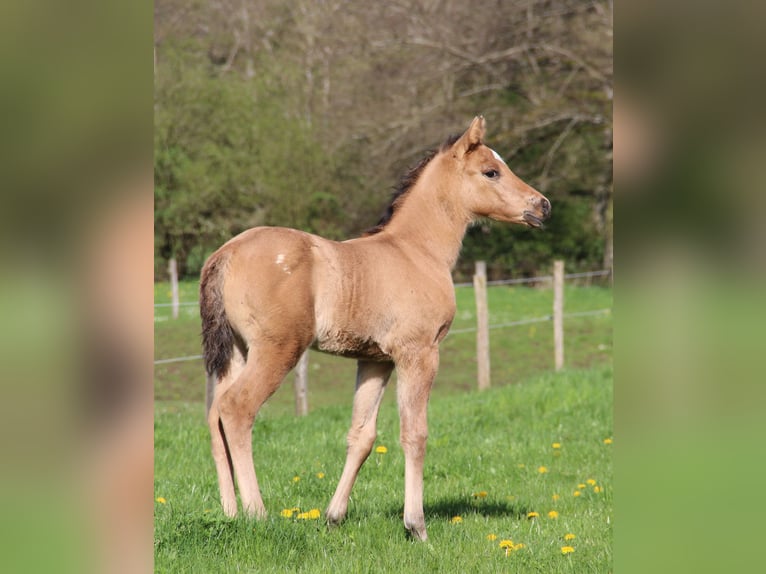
536	219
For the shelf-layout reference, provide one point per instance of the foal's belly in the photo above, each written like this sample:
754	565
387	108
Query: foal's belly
349	346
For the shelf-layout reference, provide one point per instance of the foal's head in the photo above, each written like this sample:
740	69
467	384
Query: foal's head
488	187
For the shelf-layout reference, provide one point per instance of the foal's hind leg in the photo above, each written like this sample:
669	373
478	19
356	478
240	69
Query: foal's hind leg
371	380
238	405
219	448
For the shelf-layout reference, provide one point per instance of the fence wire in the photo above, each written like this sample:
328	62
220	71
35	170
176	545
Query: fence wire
540	278
529	321
177	359
452	331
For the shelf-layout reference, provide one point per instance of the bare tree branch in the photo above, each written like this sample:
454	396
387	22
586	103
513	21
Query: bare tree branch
573	57
556	145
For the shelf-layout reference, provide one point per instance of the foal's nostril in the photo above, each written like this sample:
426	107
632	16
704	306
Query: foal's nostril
545	205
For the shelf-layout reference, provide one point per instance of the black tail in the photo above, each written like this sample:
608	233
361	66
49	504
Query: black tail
217	334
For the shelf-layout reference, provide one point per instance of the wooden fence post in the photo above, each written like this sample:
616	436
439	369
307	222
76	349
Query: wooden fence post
558	313
482	324
301	385
173	270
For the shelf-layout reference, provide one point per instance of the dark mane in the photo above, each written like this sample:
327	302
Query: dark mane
406	183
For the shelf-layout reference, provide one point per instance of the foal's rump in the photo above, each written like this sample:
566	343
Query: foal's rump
257	290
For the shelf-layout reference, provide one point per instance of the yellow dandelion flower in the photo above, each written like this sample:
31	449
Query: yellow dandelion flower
456	520
533	514
580	486
381	449
607	441
597	489
567	549
509	546
576	493
481	494
591	481
553	514
542	469
295	509
296	478
556	445
320	475
314	513
491	537
161	500
286	513
569	536
555	497
302	516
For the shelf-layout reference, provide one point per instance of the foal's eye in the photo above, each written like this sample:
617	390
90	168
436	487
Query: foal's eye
492	174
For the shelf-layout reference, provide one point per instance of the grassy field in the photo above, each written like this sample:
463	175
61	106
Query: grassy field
517	352
493	458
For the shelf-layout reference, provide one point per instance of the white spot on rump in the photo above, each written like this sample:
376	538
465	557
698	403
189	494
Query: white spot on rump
497	155
281	262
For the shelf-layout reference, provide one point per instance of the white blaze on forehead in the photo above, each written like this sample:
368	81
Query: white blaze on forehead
497	155
280	259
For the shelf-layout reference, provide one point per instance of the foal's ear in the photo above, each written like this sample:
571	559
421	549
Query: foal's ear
472	138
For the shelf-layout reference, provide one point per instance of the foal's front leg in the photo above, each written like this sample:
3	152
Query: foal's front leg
413	389
371	381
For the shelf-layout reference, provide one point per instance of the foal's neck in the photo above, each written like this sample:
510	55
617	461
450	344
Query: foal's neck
431	219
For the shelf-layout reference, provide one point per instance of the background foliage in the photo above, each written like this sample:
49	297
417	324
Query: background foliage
306	113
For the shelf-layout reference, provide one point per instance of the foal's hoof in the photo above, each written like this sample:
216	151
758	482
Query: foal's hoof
418	532
333	520
230	511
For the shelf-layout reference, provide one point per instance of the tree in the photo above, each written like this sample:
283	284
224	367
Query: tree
306	113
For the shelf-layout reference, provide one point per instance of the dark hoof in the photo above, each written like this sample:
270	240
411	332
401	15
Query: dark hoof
417	532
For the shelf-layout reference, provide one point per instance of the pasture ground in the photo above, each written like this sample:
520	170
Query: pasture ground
491	461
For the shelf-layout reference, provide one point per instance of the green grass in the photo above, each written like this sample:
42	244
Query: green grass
493	441
517	352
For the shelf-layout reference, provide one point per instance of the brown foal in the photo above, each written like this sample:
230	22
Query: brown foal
385	299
